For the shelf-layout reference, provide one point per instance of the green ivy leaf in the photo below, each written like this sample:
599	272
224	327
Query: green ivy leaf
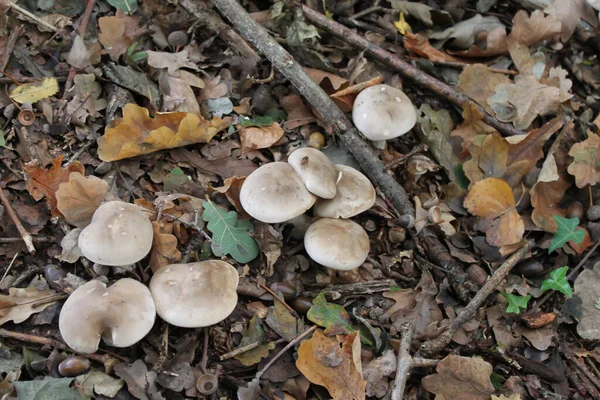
46	389
175	179
128	6
567	230
515	303
256	121
333	317
558	281
230	235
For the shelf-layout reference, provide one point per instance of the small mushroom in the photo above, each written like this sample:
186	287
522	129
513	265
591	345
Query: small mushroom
316	171
119	234
275	193
121	315
196	294
355	194
383	112
337	243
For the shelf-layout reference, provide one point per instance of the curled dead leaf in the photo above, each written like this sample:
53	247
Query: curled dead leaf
20	304
164	246
79	198
260	137
586	161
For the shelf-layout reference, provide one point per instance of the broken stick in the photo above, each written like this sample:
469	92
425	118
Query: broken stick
27	238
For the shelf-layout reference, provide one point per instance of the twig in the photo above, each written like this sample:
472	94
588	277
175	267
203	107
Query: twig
42	239
405	361
26	13
358	87
461	65
9	267
10	44
374	8
436	345
244	349
337	292
406	69
86	18
276	297
27	238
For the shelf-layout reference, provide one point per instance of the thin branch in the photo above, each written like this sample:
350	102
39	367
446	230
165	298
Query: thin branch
26	13
27	238
405	361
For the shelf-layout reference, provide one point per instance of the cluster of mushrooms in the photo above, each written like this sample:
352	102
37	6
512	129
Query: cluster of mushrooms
186	295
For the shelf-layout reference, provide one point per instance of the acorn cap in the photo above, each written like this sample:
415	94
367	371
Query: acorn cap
196	294
317	172
119	234
337	243
355	194
383	112
275	193
122	315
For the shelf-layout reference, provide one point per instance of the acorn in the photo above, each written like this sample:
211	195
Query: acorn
316	140
477	274
575	210
74	366
53	275
178	38
302	304
593	214
397	234
286	289
529	268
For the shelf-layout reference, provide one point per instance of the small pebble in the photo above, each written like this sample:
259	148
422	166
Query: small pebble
593	214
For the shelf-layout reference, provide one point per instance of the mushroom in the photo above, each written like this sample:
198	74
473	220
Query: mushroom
337	243
316	171
275	193
196	294
355	194
121	315
383	112
119	234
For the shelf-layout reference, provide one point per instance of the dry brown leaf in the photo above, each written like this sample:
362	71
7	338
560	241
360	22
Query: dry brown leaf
514	396
329	82
136	133
171	61
20	304
299	114
479	82
117	33
79	198
260	137
460	378
420	45
569	13
403	298
164	246
333	362
231	189
531	29
586	161
42	182
472	125
492	199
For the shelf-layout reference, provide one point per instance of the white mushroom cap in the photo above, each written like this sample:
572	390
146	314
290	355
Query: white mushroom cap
119	234
196	294
121	314
317	172
355	194
337	243
275	193
383	112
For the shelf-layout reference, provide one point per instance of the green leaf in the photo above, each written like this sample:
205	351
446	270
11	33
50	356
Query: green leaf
3	140
333	317
254	333
230	235
256	121
175	179
558	281
515	303
597	303
497	380
567	230
46	389
129	6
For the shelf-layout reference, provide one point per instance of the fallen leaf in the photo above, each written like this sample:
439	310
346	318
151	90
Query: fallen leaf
586	164
479	82
428	15
20	304
333	317
254	333
231	189
333	362
42	182
516	302
263	137
492	199
79	198
405	299
70	248
558	281
514	396
164	246
171	61
568	231
420	45
34	91
460	378
472	125
329	82
270	242
299	114
376	371
569	13
281	320
97	382
140	382
117	33
436	127
587	288
479	36
128	6
531	29
136	133
82	57
46	388
540	338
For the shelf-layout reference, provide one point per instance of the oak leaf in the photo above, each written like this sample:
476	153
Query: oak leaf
479	82
472	125
531	29
420	45
136	133
117	33
20	304
42	182
231	189
164	246
79	198
586	164
334	362
492	199
460	378
260	137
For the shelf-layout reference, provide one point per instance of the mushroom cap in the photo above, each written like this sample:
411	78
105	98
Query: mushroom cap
275	193
337	243
316	171
121	314
383	112
196	294
355	194
119	234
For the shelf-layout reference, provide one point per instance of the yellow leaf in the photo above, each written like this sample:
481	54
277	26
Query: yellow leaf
402	25
137	133
35	91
